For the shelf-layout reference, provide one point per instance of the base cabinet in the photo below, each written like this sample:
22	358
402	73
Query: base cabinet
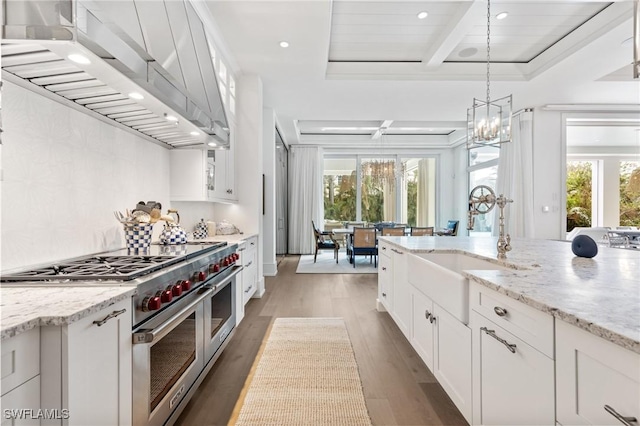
86	368
513	381
250	272
385	278
401	310
596	379
444	344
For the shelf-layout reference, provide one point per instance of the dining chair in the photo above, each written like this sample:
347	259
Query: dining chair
416	231
363	243
453	226
325	241
393	231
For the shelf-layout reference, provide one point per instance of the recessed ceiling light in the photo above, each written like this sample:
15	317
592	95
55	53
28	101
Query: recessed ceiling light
284	44
194	133
502	15
136	95
169	117
79	59
422	15
212	144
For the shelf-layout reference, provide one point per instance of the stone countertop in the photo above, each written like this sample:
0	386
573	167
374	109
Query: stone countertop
24	308
600	295
231	238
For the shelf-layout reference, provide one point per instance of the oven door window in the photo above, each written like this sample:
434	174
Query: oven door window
171	357
221	309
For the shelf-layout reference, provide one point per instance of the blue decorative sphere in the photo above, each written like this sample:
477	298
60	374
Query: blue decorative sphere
584	246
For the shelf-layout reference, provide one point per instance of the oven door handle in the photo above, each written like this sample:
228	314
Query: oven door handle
149	336
210	286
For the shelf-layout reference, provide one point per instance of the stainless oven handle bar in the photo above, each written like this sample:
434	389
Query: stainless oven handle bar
148	336
210	286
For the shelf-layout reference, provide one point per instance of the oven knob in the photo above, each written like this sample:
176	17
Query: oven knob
225	262
186	285
202	276
176	289
166	296
236	255
151	303
215	268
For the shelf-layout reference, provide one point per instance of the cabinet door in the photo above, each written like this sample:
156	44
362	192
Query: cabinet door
385	283
189	176
230	178
240	284
422	334
98	367
16	403
250	263
401	293
592	373
220	190
452	358
512	388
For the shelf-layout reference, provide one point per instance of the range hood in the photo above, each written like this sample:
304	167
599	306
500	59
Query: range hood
145	64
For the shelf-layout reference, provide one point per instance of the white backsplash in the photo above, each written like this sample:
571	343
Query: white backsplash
64	173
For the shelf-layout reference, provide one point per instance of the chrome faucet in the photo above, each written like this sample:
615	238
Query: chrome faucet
504	242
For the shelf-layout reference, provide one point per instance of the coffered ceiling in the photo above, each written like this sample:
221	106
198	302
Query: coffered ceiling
357	69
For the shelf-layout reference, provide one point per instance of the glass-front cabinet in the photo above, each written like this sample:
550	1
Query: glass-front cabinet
202	175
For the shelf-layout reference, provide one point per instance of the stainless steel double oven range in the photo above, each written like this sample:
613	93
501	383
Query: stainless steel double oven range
183	315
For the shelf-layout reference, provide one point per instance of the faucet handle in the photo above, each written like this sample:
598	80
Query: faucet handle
507	247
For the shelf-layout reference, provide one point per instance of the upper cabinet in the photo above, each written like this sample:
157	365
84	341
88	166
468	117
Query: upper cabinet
202	175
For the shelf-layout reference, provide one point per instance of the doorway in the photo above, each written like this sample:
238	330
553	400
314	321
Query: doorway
282	198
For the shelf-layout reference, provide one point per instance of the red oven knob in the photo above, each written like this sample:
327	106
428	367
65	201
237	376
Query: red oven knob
236	255
215	268
202	276
176	289
166	296
225	262
186	285
151	303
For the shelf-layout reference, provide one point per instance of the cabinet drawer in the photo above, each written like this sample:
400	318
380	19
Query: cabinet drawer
20	359
384	249
529	324
24	397
592	373
513	386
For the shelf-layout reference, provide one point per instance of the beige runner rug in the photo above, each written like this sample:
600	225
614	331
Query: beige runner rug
306	375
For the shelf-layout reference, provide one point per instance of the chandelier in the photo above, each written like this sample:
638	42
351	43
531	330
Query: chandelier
489	121
381	171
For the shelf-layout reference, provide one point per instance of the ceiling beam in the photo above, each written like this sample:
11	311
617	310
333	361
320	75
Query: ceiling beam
459	26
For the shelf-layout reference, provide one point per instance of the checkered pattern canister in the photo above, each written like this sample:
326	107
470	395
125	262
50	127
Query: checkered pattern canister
138	236
200	230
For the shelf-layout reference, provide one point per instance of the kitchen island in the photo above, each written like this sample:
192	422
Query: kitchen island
542	325
600	295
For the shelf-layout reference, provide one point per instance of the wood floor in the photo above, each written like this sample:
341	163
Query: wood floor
398	387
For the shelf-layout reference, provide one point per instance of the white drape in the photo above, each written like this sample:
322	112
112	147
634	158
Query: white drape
305	198
515	178
389	200
425	209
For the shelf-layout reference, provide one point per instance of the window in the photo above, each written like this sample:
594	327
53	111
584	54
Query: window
483	170
226	82
579	194
351	193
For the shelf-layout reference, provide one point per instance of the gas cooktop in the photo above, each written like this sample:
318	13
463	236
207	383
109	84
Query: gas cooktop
119	265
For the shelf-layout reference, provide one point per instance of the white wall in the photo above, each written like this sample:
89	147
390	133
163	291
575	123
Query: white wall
64	173
269	170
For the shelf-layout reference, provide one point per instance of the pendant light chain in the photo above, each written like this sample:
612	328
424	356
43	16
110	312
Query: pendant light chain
488	49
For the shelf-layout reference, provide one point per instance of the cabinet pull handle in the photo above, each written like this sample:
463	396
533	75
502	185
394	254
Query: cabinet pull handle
492	333
384	294
249	289
384	268
432	319
108	317
627	421
384	248
241	249
501	312
252	243
229	191
427	314
249	264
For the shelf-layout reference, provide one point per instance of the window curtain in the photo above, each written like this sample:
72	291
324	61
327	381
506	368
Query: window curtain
305	196
425	208
515	178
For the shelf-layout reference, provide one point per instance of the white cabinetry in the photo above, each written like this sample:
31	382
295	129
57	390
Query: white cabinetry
86	367
513	366
385	277
401	311
242	248
250	273
444	344
202	175
21	378
591	374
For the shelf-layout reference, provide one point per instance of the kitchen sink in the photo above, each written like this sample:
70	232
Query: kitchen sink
439	276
